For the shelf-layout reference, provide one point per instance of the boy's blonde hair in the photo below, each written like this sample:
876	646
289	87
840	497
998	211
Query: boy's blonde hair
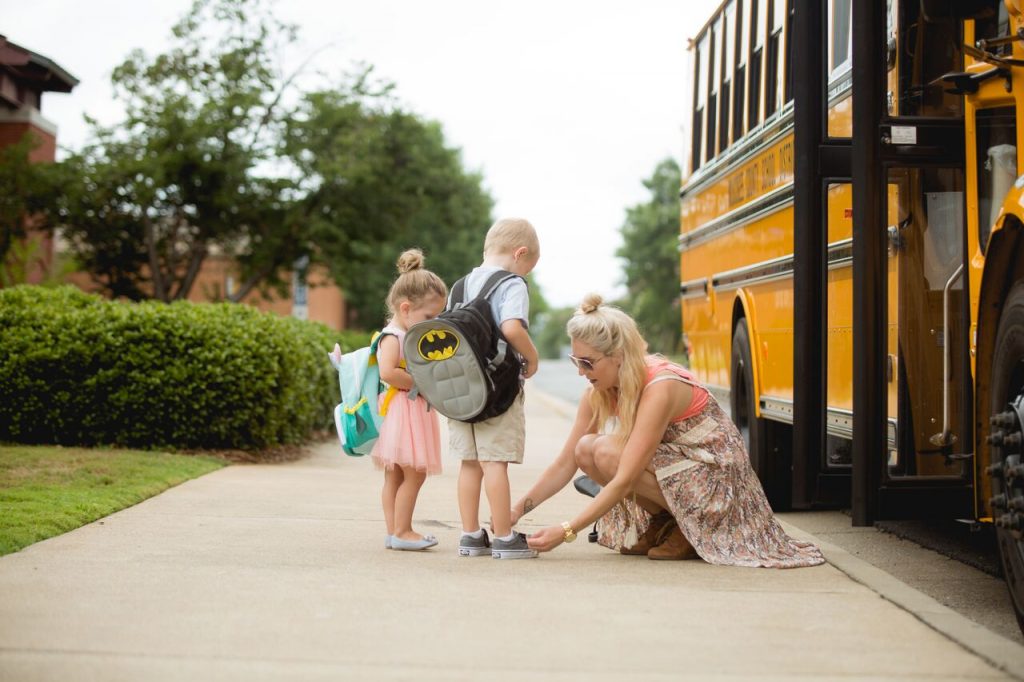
612	332
508	234
414	283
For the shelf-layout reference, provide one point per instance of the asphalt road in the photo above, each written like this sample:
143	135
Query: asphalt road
560	379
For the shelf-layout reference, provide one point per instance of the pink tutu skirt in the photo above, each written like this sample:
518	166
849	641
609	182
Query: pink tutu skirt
410	436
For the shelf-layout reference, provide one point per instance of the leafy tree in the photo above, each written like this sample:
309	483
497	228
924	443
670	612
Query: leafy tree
650	250
148	200
539	306
549	333
217	155
381	181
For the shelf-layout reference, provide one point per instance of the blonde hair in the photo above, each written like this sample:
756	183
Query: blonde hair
612	332
414	283
508	234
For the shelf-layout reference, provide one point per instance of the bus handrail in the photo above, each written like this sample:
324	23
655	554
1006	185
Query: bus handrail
945	438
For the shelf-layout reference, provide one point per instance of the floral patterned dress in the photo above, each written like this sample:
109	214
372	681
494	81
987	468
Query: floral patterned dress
704	472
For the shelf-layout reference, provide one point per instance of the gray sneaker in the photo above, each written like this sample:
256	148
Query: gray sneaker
516	548
471	546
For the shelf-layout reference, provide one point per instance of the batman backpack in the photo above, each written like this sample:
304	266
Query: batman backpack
359	415
460	361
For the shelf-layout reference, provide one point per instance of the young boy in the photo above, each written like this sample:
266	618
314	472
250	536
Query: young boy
487	447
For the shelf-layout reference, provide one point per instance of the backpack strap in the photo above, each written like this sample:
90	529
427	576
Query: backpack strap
375	341
490	286
458	293
391	391
494	281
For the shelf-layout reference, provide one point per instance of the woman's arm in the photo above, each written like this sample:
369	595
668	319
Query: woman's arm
388	359
561	471
659	403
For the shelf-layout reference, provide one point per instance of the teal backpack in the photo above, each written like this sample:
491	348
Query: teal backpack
358	417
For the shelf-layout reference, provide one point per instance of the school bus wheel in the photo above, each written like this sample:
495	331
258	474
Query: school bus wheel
760	435
1005	435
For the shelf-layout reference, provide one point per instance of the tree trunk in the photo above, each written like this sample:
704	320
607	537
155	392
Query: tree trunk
156	274
250	284
196	259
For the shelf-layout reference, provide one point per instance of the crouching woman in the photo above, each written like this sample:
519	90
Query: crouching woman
676	479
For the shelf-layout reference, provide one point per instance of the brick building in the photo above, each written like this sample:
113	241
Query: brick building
24	77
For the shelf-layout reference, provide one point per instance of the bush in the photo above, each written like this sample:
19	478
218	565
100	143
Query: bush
79	370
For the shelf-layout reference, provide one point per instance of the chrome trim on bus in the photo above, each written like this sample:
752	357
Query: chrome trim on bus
766	271
840	254
778	409
838	422
694	288
841	87
776	200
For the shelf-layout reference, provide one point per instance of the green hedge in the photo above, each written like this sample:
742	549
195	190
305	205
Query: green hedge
76	369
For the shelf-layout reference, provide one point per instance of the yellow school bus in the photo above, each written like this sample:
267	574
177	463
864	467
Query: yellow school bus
852	253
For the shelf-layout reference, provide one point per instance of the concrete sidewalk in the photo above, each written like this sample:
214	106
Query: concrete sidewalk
278	572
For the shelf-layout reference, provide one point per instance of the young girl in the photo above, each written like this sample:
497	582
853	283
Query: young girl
409	445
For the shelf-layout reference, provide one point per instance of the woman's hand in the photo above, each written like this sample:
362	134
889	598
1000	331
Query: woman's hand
546	539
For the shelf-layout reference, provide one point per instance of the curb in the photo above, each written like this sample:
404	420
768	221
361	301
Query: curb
1000	652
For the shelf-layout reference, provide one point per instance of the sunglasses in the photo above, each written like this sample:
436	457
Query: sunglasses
585	364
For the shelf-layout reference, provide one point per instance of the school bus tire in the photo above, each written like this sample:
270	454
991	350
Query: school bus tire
1007	386
758	434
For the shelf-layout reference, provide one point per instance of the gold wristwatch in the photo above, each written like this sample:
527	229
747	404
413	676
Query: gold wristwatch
570	534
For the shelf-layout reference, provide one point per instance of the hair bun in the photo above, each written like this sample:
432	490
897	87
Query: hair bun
591	302
410	260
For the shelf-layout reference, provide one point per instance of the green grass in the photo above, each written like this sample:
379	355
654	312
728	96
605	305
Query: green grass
46	491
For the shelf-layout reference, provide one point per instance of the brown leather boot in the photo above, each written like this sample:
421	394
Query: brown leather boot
655	534
675	547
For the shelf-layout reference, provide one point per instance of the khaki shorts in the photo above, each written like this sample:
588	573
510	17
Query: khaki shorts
498	439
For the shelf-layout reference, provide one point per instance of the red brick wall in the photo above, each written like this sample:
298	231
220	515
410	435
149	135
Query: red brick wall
325	301
11	132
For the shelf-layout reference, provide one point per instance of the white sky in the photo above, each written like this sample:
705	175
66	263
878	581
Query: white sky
565	106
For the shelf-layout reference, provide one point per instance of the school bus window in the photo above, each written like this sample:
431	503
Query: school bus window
839	30
772	65
728	52
758	9
788	86
700	99
997	165
740	78
714	71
